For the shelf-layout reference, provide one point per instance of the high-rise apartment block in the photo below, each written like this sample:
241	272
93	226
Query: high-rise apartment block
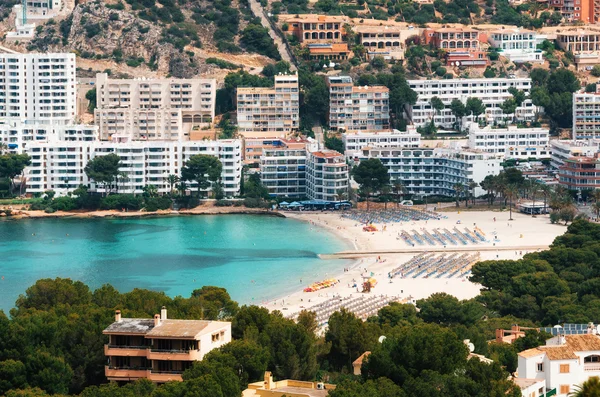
493	93
586	114
357	108
283	168
326	175
153	109
269	112
60	165
39	88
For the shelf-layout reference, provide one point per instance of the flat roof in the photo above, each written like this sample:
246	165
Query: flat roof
184	328
302	391
524	383
130	326
326	154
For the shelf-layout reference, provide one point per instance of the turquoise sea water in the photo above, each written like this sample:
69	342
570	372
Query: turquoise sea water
256	258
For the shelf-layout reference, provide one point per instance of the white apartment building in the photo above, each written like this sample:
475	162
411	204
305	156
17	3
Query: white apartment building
16	135
433	171
518	45
283	169
563	150
39	88
354	141
512	142
357	108
586	114
564	362
269	112
59	165
326	175
493	92
153	109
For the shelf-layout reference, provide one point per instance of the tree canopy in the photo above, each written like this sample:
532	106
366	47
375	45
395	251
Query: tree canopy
203	169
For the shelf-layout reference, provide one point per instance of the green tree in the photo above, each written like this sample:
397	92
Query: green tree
104	169
458	110
255	38
172	179
475	107
12	376
203	169
349	338
48	372
90	95
371	174
12	165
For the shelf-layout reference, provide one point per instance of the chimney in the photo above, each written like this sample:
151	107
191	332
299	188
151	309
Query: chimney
163	313
156	320
117	316
268	380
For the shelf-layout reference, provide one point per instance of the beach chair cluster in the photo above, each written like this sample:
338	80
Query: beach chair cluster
392	215
441	236
436	266
363	307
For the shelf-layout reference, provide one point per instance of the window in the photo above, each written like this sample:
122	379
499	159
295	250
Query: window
540	367
564	369
565	389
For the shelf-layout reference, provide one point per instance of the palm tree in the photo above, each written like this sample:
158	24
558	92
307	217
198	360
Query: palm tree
172	179
545	190
458	189
534	190
472	186
398	190
3	147
511	192
589	388
596	208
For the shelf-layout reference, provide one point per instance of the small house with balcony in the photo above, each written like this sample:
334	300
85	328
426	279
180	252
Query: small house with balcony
159	349
564	362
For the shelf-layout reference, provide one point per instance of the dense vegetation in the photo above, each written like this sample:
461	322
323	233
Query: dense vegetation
557	285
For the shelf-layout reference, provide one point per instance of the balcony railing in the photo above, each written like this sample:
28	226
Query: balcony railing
175	351
591	367
550	393
127	347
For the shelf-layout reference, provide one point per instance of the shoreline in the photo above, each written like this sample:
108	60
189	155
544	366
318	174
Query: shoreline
377	253
19	214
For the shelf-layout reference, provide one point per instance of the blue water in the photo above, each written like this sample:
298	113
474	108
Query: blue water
256	258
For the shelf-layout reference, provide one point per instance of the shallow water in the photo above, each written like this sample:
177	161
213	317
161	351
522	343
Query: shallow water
256	258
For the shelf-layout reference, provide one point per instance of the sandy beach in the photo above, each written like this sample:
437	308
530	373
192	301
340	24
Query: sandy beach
377	253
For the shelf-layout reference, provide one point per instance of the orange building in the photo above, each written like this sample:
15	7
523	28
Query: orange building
333	51
318	28
454	38
159	349
587	11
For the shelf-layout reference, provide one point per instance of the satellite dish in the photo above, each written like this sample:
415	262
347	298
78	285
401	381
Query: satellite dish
457	63
382	338
471	347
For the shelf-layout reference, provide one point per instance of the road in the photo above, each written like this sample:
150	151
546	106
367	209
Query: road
259	12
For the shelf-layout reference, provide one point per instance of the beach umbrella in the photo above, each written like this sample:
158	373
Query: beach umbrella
295	204
284	203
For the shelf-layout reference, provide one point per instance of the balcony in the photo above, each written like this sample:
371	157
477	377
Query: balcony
125	351
178	355
164	376
116	373
591	367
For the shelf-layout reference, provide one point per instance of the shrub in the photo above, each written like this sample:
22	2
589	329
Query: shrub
113	16
596	71
440	71
221	63
157	203
121	201
49	210
65	203
92	30
224	203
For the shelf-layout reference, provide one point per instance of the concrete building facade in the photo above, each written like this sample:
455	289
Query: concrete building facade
326	175
39	88
493	92
511	142
153	109
283	169
269	112
586	114
60	165
518	45
357	108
